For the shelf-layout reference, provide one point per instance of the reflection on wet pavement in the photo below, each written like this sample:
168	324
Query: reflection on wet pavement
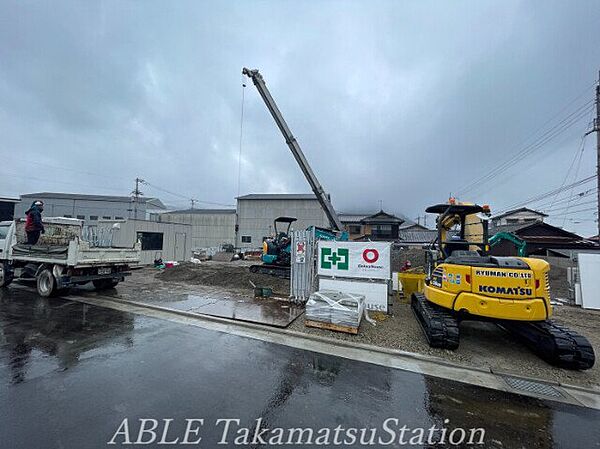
211	301
70	373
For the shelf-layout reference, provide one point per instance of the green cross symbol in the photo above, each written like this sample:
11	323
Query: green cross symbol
338	258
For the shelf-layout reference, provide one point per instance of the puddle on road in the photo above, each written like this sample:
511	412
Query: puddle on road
214	302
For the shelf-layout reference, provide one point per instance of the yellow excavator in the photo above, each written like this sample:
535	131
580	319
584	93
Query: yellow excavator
464	282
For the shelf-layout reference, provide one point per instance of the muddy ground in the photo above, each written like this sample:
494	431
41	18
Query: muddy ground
483	345
231	275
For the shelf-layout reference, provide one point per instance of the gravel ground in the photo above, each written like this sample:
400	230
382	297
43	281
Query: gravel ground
483	345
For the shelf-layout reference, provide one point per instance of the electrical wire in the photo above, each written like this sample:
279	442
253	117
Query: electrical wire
87	173
548	194
546	137
567	207
183	196
576	197
555	115
576	174
577	153
575	212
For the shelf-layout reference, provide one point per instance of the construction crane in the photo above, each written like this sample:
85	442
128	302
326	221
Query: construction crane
322	197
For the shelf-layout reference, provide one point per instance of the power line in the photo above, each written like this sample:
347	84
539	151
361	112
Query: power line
576	197
548	194
579	150
52	181
546	137
574	212
179	195
567	207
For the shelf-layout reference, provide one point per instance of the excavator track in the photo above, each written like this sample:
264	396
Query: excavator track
554	343
271	270
439	326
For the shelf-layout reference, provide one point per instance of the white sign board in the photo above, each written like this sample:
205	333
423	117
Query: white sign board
376	293
301	251
370	260
589	274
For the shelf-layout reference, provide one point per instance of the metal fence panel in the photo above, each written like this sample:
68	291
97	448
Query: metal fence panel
303	263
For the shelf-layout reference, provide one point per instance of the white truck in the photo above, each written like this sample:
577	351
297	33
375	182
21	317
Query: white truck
61	258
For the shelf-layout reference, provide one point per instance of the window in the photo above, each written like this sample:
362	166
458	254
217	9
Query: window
81	217
106	217
68	216
151	241
382	231
512	220
94	217
246	239
3	231
354	229
118	218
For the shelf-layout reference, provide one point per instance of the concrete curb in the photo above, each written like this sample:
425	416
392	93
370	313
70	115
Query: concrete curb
394	358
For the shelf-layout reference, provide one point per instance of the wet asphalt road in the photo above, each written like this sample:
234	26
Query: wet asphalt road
71	373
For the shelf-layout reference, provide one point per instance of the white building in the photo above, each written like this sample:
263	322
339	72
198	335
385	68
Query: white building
256	213
518	216
159	240
91	208
210	228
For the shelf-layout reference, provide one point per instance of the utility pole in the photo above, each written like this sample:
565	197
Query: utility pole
136	196
596	129
193	201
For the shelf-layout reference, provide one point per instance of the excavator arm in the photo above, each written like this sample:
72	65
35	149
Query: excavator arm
322	197
519	243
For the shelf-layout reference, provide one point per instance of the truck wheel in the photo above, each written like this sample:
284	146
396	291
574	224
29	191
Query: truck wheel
105	284
46	284
6	275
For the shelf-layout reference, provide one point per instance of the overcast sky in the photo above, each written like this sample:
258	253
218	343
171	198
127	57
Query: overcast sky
401	102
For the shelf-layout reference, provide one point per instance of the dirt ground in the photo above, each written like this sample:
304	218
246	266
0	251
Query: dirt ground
234	275
483	345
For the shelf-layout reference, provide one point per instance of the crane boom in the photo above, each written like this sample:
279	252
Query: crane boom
291	141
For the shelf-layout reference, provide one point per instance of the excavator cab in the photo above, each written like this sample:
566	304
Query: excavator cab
276	228
462	228
276	250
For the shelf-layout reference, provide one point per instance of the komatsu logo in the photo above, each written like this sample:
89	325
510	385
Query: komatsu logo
506	290
504	274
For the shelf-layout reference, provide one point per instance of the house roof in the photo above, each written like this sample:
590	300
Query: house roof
521	209
358	217
536	229
5	199
86	197
382	217
201	211
416	236
156	203
278	196
414	227
352	218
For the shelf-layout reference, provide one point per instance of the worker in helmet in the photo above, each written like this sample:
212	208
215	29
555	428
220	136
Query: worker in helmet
33	223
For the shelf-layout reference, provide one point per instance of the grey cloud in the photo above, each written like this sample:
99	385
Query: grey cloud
402	102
